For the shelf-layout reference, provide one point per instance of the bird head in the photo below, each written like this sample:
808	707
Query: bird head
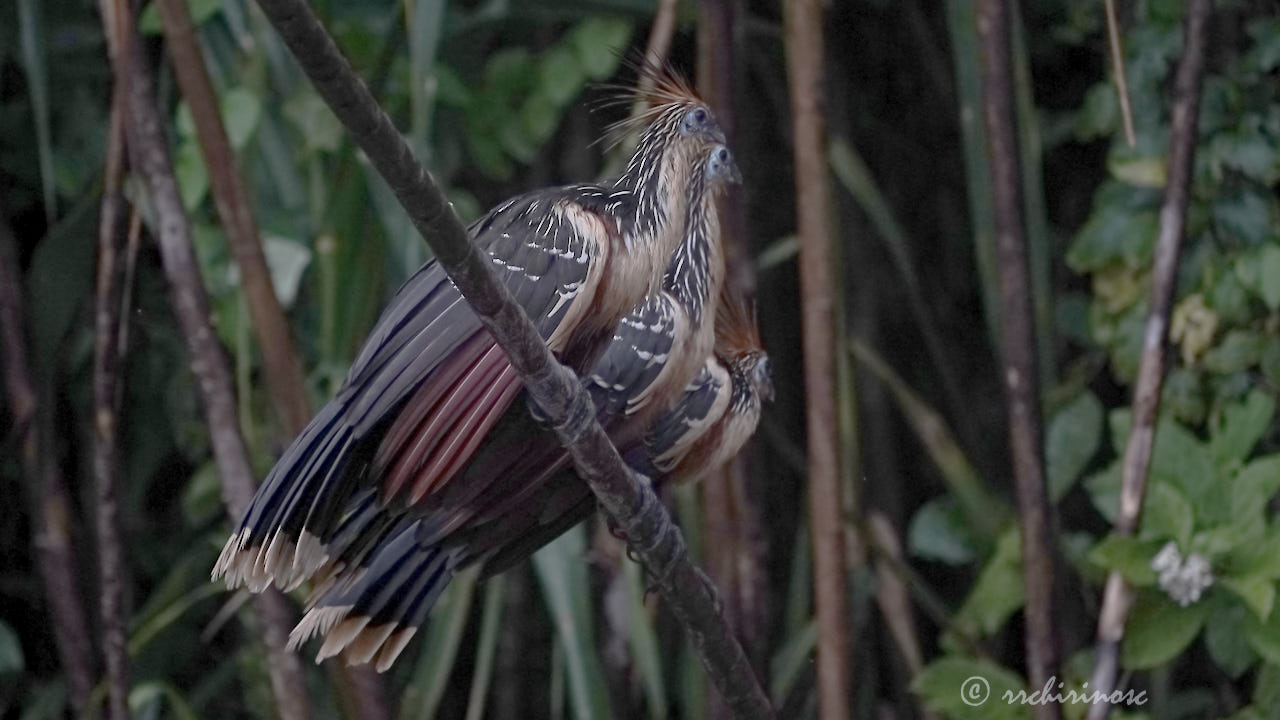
721	167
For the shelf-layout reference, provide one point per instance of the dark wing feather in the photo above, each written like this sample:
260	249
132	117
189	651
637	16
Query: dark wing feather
704	399
424	345
634	359
542	256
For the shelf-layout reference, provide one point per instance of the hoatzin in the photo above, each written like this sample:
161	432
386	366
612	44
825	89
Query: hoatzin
706	426
430	382
521	491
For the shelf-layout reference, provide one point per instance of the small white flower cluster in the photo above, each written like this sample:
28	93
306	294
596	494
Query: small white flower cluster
1183	580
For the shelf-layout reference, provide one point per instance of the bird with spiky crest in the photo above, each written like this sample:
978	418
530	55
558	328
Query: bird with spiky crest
381	585
430	382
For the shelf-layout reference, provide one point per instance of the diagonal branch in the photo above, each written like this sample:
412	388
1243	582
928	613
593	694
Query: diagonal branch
149	154
1117	596
628	501
1018	348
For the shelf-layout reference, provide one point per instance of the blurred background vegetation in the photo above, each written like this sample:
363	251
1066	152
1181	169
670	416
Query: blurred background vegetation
497	97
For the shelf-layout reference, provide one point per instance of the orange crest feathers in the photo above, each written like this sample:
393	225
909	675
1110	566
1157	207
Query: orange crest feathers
656	90
737	332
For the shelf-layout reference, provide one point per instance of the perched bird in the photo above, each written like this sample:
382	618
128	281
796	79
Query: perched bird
430	381
706	426
389	569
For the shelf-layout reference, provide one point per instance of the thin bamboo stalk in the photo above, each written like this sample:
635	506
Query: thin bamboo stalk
1117	596
148	148
735	559
284	377
108	356
1116	45
805	58
1018	347
51	514
285	382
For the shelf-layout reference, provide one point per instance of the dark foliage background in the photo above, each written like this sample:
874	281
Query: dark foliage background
497	97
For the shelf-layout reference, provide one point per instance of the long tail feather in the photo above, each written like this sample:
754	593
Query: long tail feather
370	617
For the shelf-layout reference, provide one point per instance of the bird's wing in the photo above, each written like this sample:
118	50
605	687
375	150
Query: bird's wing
550	249
427	385
622	381
675	432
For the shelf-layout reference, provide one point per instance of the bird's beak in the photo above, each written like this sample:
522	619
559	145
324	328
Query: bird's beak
735	175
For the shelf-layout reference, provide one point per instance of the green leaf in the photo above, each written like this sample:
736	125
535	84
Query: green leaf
1260	558
241	110
1245	216
1258	592
1104	490
439	653
560	75
1182	460
202	496
486	647
1243	424
1166	514
314	121
1138	170
1265	54
790	661
1238	350
645	653
1269	276
201	10
1183	396
1264	637
998	592
1256	483
1225	638
1099	115
287	260
1121	229
1128	556
146	696
11	657
1266	687
193	178
1159	630
963	688
1073	437
599	43
562	574
938	532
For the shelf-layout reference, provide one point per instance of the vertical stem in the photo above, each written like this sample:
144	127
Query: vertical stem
804	42
51	515
108	354
1117	70
149	153
1018	347
964	53
1118	596
729	514
283	370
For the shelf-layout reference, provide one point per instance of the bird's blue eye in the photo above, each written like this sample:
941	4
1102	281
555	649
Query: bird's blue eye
700	116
